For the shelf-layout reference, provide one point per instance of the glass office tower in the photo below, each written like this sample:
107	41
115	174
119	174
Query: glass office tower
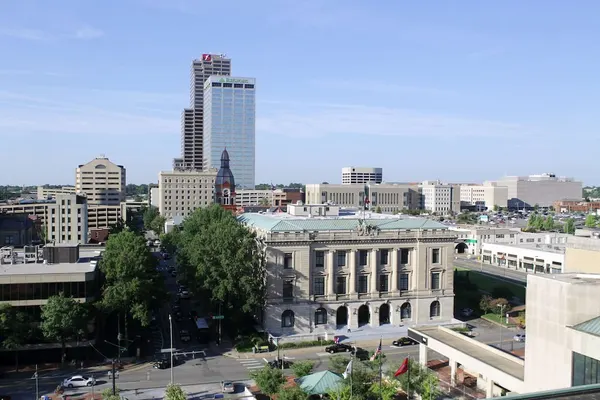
229	123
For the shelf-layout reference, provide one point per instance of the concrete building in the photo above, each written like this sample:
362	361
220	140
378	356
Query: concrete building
361	175
440	197
19	230
181	192
64	218
331	273
391	198
229	123
313	210
253	197
531	258
100	217
153	195
102	181
568	206
543	190
192	118
483	197
44	193
284	196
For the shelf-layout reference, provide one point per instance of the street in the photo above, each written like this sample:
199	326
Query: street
500	272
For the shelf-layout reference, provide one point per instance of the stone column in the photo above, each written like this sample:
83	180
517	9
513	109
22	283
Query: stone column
374	270
331	274
423	354
393	262
453	367
352	275
489	388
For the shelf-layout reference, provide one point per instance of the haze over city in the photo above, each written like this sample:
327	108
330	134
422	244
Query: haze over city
467	92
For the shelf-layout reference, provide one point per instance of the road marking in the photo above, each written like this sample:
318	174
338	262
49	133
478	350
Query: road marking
267	361
323	354
255	367
248	361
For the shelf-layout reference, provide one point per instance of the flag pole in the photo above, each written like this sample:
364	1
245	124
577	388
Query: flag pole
408	379
380	371
351	372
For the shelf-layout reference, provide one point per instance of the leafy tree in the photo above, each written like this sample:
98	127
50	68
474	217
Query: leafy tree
170	241
158	224
496	208
535	222
269	380
501	305
536	207
302	368
174	392
413	378
223	259
591	221
378	210
62	319
338	364
342	392
485	303
15	329
389	389
569	226
132	283
264	202
429	388
292	393
107	394
548	223
149	215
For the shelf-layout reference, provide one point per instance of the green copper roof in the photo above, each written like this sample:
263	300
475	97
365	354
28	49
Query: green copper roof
319	382
275	224
591	326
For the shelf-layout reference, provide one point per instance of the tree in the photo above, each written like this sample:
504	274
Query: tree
342	392
158	224
389	389
170	241
569	226
591	221
501	305
292	393
548	223
62	319
132	283
429	386
224	260
149	215
485	303
269	380
338	364
378	210
302	368
535	222
174	392
15	329
420	380
264	202
496	208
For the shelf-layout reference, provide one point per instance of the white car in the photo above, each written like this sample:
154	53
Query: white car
79	381
184	294
227	387
519	337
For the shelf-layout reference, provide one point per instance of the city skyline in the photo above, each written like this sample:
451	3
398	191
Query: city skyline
451	93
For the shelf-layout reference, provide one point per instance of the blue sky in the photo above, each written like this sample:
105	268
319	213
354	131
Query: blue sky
456	90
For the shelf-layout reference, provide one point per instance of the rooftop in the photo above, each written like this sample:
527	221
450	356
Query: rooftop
591	326
87	263
283	222
586	392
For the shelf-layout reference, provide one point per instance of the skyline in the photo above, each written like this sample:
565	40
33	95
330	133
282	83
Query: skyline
463	94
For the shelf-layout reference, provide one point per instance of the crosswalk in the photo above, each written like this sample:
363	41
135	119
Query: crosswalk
253	363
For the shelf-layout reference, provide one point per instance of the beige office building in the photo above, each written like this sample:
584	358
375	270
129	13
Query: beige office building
329	273
102	181
65	217
440	197
352	175
50	193
391	198
484	196
543	189
253	197
181	192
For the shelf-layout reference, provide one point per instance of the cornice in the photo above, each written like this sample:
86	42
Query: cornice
361	241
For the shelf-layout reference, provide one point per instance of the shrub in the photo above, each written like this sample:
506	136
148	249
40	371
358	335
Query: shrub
300	345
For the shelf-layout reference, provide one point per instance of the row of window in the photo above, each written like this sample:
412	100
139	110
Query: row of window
288	317
41	291
363	257
341	284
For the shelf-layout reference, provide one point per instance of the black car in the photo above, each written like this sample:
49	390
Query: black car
339	348
280	364
162	364
404	341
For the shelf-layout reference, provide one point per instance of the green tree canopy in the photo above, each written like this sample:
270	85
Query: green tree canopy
569	226
15	328
149	215
269	380
62	319
132	283
418	380
292	393
302	368
591	221
485	303
535	222
548	224
222	258
175	392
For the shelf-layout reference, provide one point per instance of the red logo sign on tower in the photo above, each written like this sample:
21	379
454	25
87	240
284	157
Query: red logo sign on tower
206	57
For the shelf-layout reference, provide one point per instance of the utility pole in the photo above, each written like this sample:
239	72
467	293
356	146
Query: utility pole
114	383
37	383
171	331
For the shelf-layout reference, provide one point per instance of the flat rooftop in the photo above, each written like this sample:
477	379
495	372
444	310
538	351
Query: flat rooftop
572	278
465	345
83	265
585	392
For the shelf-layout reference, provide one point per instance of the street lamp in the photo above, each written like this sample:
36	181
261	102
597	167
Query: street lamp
171	331
501	306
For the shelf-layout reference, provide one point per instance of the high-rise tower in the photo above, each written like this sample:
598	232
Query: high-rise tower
192	118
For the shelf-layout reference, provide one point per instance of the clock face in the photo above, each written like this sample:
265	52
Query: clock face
206	57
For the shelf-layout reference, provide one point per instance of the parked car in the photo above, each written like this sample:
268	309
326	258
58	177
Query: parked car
404	341
227	387
339	348
184	335
79	381
184	294
519	337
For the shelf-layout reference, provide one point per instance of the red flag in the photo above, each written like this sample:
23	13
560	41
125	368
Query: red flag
403	368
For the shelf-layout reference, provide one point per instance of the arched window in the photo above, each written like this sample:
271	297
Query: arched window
405	311
287	319
434	309
320	316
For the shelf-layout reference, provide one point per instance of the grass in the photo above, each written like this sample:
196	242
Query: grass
496	318
488	283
